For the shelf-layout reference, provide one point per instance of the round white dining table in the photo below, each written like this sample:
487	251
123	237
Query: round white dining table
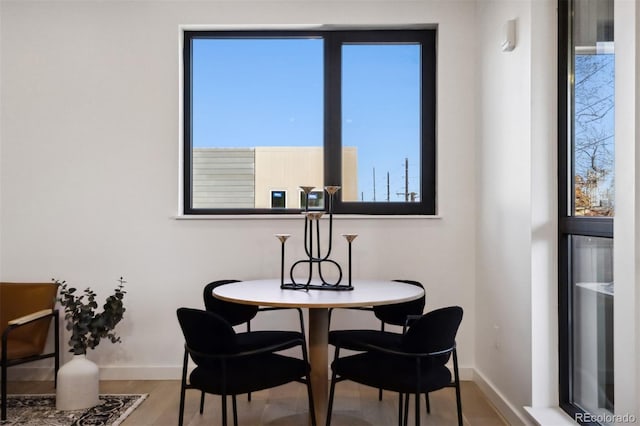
267	292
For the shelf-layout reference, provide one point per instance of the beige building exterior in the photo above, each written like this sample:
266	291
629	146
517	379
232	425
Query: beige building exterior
264	177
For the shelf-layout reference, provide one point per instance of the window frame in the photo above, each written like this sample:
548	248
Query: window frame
302	195
284	197
568	224
332	145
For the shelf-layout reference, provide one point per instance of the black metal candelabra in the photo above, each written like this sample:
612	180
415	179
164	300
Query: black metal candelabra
313	249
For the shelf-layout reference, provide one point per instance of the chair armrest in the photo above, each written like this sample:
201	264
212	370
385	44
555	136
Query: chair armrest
27	319
31	317
264	350
390	351
272	348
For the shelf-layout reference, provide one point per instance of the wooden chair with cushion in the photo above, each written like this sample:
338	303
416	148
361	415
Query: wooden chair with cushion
26	310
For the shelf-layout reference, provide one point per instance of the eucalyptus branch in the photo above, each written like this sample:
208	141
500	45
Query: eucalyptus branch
87	326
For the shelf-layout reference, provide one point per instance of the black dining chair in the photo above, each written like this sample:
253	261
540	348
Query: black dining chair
415	365
395	314
226	366
237	314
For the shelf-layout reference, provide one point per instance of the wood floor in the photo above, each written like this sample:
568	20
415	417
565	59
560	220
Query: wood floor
354	405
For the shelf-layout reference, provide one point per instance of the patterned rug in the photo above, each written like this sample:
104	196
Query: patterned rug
40	410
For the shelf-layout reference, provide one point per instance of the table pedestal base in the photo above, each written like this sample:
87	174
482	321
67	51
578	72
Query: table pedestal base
318	358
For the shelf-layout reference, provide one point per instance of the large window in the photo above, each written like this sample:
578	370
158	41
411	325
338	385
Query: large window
284	109
586	209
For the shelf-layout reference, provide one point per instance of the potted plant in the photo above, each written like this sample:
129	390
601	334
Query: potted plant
87	326
78	380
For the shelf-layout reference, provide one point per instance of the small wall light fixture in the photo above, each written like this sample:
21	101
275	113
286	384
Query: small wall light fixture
509	36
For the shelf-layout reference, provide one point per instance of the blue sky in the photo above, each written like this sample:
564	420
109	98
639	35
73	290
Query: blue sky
269	92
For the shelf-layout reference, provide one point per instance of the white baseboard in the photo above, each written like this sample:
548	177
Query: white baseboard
511	413
466	373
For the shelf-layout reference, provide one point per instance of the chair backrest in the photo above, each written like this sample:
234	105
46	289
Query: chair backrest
20	299
234	313
434	331
206	332
396	313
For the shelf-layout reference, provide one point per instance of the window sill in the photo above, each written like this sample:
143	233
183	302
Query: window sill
550	416
297	217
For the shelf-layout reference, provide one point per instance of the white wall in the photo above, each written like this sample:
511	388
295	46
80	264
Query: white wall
89	168
544	206
516	349
503	327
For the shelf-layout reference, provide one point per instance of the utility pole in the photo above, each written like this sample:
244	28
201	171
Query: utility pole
388	187
374	184
406	179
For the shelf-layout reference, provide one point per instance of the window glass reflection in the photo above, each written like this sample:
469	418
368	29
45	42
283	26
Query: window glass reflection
593	293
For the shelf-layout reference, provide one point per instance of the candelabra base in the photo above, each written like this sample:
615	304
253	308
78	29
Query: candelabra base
294	286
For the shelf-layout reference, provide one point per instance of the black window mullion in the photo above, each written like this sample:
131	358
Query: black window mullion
187	143
428	150
333	110
565	334
586	226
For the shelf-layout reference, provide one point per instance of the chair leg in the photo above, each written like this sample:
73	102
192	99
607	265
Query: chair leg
379	394
400	417
457	386
181	413
426	398
332	391
459	404
3	370
202	403
312	408
406	410
223	399
248	331
56	335
3	414
417	408
235	410
183	385
301	318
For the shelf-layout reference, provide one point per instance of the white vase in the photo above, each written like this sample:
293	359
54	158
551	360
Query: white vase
78	384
